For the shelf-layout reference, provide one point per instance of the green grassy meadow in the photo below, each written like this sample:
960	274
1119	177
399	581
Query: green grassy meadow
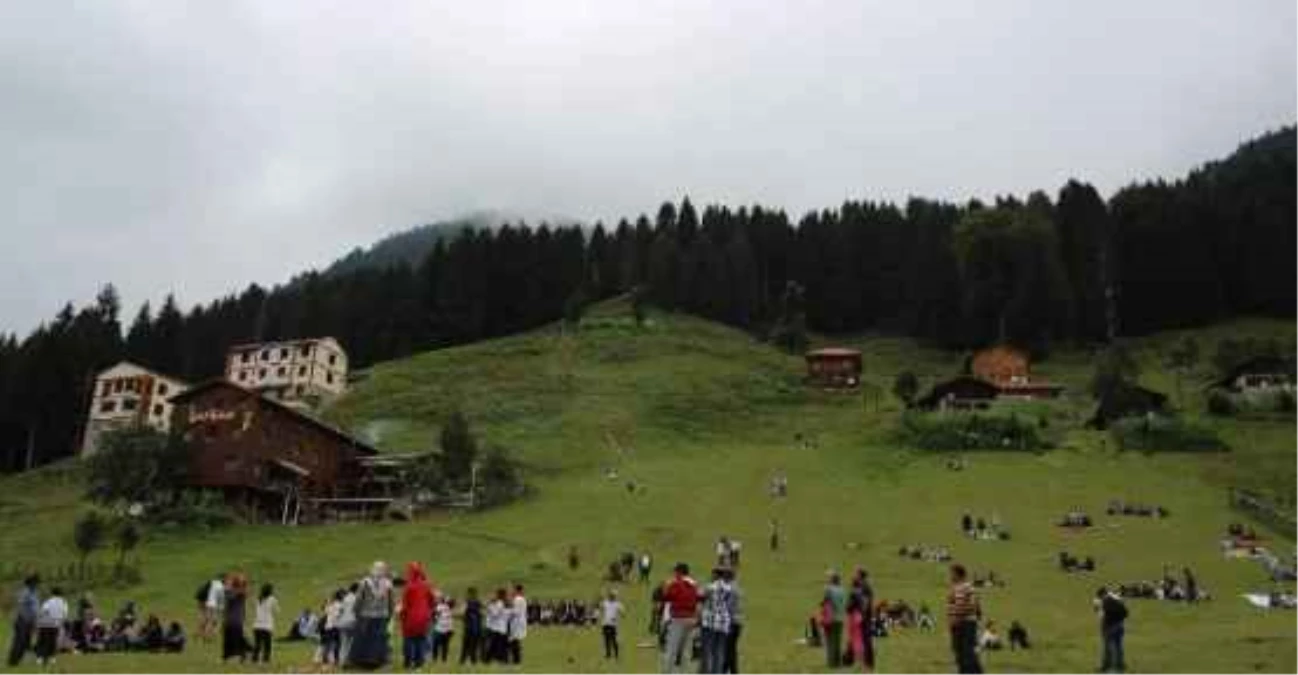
703	415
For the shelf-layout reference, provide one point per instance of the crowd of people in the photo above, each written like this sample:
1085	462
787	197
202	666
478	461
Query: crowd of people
926	553
984	529
1118	507
1169	587
49	626
1071	563
1075	518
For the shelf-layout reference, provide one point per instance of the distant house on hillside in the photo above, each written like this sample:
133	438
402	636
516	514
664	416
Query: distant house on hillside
297	372
264	455
1008	368
834	367
1259	373
961	393
1126	400
127	395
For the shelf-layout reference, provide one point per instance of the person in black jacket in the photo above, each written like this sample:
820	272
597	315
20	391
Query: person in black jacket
1113	617
471	645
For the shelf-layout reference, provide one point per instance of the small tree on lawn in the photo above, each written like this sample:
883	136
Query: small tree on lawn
905	387
459	449
88	536
575	307
128	537
1114	367
136	464
639	301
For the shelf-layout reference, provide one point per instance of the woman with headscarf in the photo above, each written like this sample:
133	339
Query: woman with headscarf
416	616
369	649
234	644
863	632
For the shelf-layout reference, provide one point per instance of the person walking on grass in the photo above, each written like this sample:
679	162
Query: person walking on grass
681	600
471	645
330	635
863	595
26	610
374	600
346	624
833	610
209	599
962	615
1113	617
234	643
497	627
716	621
416	616
263	623
49	626
610	613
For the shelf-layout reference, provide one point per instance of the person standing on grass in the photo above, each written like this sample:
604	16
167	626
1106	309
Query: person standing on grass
863	593
416	616
374	599
263	623
497	627
833	611
330	636
517	624
1113	617
610	612
471	644
234	643
646	564
347	624
209	607
962	615
681	600
716	622
730	660
26	610
49	626
443	628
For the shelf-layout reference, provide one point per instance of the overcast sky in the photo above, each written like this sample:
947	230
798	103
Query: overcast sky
195	147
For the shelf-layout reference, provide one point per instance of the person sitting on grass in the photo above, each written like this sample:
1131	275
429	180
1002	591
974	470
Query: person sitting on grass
1018	636
173	641
990	640
153	634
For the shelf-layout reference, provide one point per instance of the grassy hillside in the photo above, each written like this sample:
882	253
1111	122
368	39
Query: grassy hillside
702	416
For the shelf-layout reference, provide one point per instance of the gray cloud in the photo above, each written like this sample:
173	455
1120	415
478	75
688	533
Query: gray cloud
196	146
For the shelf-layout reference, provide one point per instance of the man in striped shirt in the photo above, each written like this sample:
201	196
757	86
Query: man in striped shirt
962	614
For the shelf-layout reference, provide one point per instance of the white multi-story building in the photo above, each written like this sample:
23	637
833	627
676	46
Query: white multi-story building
308	371
128	394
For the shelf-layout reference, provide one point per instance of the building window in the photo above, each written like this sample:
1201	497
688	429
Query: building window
261	374
299	390
108	388
333	358
129	404
243	358
301	371
157	410
329	378
162	389
243	375
306	350
265	355
117	386
281	372
283	353
107	406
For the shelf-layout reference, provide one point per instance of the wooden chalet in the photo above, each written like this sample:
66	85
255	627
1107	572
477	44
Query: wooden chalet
1126	400
961	393
1008	368
834	368
1260	373
266	457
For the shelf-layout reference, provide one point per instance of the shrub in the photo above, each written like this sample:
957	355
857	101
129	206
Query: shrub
136	465
1285	402
1164	434
960	431
193	508
1221	404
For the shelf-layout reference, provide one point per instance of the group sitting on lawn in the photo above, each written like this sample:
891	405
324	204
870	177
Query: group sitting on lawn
1168	588
983	529
1071	563
563	613
1075	518
925	552
1117	507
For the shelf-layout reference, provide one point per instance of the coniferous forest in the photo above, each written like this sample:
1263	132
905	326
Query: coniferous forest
1042	270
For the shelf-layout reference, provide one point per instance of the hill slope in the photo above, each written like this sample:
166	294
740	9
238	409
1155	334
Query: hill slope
703	415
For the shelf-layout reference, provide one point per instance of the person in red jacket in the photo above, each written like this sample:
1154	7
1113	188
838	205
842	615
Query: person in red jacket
681	596
416	616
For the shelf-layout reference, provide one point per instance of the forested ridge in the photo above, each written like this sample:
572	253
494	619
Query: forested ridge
1037	271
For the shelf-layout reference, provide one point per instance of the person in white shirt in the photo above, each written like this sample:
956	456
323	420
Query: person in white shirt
517	624
329	639
263	624
49	625
211	608
443	628
347	623
497	627
610	613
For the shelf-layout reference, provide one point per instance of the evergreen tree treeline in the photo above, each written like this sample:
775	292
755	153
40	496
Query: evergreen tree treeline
1158	255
